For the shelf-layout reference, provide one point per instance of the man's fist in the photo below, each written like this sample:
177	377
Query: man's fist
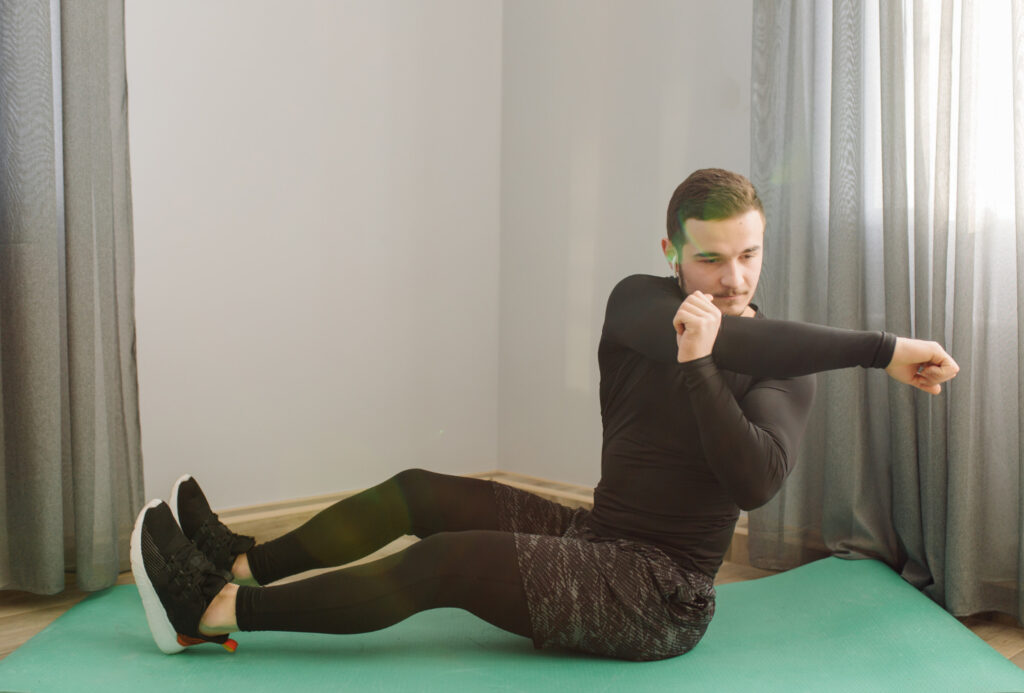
921	364
696	324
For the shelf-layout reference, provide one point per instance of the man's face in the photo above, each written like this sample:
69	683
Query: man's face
723	258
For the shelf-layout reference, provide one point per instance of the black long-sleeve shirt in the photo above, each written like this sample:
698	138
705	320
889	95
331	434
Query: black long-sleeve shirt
686	446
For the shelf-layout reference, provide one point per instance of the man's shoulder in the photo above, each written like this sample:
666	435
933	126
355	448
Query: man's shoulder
645	282
644	279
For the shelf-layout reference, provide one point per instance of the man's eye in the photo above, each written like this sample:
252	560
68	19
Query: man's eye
709	260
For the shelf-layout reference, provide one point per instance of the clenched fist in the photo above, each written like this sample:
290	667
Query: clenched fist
696	324
921	364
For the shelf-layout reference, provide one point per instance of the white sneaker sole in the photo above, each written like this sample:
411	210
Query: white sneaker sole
173	502
164	634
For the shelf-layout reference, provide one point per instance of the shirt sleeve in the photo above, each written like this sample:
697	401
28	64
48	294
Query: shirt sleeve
639	317
750	445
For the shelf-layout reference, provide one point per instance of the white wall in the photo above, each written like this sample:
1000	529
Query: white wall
607	106
316	209
326	194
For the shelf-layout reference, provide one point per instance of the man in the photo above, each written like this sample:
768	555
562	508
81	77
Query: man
702	416
694	434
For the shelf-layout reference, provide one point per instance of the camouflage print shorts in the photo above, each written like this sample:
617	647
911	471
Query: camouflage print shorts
611	597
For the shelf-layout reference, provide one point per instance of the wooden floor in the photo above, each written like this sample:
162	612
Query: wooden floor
22	614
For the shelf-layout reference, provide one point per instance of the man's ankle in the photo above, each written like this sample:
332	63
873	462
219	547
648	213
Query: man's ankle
240	569
219	617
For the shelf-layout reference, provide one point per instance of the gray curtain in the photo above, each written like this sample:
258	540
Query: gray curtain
888	146
70	460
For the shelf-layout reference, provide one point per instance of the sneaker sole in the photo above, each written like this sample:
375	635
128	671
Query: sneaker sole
173	502
164	634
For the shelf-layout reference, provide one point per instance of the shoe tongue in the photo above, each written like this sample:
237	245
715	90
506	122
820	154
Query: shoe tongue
241	544
194	508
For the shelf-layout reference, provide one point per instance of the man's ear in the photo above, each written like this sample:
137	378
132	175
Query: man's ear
669	251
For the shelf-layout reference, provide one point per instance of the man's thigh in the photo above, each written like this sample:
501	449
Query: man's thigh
527	513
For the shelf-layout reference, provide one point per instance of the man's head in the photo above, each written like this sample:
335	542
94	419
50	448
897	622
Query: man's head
715	237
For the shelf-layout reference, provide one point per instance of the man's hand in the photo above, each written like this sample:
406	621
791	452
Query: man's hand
921	364
696	322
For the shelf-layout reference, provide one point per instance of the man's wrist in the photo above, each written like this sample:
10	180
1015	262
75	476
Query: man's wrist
696	362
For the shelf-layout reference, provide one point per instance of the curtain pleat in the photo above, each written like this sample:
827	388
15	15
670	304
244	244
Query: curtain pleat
1017	28
897	167
30	299
103	390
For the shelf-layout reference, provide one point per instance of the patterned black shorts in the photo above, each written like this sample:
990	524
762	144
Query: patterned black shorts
610	597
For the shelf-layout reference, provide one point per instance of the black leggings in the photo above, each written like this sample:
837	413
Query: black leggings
463	561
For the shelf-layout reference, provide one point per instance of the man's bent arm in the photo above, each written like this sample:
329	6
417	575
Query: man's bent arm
750	445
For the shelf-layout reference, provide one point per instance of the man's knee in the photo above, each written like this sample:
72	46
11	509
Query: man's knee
438	502
414	488
412	479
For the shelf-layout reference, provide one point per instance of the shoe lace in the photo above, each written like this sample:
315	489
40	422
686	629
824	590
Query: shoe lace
218	542
193	573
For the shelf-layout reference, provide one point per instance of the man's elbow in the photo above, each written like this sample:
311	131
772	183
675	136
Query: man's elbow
754	496
763	480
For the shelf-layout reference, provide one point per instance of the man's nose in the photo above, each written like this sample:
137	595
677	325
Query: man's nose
732	277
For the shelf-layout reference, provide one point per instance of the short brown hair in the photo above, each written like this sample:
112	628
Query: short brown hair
709	194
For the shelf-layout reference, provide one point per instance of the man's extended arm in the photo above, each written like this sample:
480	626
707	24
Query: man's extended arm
641	307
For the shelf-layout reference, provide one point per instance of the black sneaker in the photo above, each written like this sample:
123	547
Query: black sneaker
201	525
176	582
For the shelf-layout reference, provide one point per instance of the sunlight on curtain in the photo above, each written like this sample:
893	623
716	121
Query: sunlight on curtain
885	150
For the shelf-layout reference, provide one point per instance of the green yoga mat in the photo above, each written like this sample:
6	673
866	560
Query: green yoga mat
832	625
